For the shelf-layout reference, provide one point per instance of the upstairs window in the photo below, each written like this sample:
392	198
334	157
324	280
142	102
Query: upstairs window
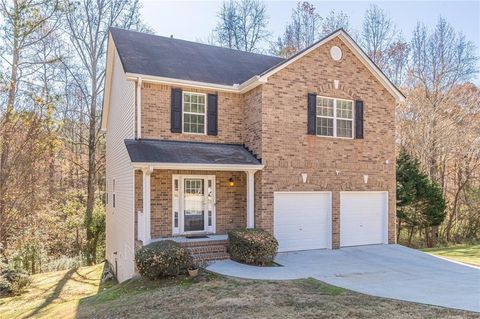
194	113
334	117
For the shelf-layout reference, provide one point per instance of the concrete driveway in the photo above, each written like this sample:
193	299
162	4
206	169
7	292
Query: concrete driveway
391	271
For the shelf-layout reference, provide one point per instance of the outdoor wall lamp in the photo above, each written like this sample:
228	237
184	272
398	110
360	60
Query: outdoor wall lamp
231	182
365	179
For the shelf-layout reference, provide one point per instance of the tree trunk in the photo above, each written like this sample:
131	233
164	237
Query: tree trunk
6	138
410	235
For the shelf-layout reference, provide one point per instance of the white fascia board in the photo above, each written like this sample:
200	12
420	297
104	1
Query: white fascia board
236	88
202	167
171	81
111	49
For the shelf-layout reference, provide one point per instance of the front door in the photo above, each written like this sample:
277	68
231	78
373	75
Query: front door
193	204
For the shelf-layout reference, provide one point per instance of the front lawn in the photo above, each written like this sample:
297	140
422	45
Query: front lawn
469	254
78	294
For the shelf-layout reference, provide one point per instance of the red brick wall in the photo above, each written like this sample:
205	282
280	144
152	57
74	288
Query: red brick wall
271	120
156	115
287	151
230	201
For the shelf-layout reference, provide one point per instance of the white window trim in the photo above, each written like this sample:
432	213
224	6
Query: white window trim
335	118
179	230
204	113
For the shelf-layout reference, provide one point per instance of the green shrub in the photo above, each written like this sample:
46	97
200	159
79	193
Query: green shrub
13	281
162	259
252	246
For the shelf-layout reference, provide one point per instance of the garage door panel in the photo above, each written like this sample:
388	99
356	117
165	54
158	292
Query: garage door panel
363	218
302	220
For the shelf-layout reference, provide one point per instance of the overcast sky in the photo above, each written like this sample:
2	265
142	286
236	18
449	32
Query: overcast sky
194	20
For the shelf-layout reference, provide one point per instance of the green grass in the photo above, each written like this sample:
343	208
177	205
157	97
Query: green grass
54	294
469	254
78	293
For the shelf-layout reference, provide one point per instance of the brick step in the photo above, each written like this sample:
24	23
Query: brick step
207	249
204	243
201	258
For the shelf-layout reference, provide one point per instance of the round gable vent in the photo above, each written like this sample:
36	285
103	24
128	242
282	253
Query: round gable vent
336	53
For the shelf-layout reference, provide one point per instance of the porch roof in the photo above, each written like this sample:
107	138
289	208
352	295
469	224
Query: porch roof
158	152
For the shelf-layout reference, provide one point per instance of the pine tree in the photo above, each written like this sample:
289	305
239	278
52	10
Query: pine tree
420	201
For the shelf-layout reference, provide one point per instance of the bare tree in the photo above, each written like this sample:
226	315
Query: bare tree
378	34
334	21
24	26
302	31
242	25
441	61
87	23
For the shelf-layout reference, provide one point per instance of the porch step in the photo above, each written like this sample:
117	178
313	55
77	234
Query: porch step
206	243
202	258
205	251
198	250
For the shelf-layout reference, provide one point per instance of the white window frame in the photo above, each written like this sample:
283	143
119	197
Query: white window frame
335	118
181	182
204	113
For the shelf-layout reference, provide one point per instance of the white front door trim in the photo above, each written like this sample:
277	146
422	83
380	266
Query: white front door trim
181	204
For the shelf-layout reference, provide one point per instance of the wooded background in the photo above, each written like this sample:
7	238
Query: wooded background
52	152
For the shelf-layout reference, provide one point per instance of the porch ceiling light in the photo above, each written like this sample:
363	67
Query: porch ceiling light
231	182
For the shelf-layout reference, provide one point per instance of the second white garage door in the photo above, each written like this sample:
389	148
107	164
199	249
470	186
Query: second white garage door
302	220
363	218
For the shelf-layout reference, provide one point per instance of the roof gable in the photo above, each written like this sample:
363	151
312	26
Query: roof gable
357	51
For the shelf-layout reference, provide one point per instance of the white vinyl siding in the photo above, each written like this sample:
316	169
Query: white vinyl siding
120	220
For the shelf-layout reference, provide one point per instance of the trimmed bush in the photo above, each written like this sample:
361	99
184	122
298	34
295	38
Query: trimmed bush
13	281
252	246
165	258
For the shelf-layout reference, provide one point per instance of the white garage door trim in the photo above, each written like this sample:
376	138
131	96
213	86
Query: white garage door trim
324	242
384	221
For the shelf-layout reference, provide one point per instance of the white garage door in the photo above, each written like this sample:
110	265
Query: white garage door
363	218
302	220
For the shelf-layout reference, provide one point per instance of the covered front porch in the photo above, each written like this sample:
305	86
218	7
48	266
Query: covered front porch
190	191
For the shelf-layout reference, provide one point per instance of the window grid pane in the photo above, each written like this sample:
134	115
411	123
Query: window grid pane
344	109
194	113
324	126
344	128
325	107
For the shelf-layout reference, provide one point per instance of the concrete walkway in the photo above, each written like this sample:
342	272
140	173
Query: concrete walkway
391	271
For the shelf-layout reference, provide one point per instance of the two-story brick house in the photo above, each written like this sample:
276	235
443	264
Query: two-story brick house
202	139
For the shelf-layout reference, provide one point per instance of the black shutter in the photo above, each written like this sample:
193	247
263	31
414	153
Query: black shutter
176	111
312	114
358	119
212	114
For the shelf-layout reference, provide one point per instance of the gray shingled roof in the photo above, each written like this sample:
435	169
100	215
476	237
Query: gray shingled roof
161	151
179	59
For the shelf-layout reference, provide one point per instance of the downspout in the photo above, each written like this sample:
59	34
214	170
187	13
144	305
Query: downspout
139	108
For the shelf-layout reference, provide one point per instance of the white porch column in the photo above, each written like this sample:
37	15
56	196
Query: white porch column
147	236
250	199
